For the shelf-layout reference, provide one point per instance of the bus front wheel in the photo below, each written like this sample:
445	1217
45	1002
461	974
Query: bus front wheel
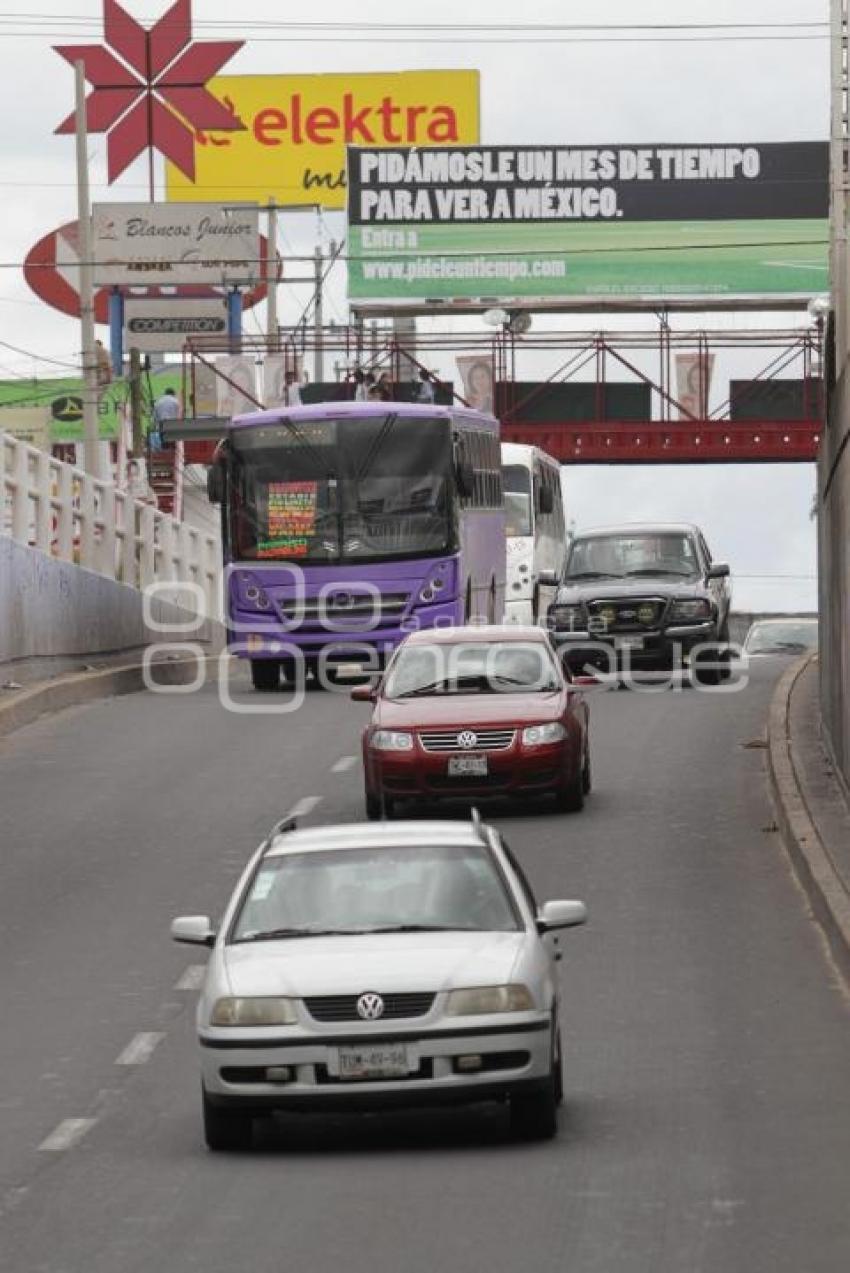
265	674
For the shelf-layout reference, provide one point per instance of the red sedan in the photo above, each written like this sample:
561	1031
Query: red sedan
477	711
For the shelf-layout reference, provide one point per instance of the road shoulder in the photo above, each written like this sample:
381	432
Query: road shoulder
23	704
812	809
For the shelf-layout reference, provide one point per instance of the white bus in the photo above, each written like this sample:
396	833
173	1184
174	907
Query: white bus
535	529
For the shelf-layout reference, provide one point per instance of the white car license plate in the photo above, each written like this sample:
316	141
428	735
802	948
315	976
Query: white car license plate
380	1062
467	766
631	643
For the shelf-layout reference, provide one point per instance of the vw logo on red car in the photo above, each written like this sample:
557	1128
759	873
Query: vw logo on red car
467	739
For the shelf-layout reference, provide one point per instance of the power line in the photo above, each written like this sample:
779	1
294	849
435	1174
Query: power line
360	25
28	353
511	255
455	40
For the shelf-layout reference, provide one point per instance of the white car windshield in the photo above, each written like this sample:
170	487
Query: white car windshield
781	638
473	667
392	889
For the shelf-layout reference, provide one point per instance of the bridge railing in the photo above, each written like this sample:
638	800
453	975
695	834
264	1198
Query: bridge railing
72	516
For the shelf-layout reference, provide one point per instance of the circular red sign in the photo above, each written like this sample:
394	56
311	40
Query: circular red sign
54	284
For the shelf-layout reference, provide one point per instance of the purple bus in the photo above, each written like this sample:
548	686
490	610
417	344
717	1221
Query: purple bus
347	525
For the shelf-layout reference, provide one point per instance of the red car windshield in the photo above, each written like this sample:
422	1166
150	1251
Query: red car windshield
473	667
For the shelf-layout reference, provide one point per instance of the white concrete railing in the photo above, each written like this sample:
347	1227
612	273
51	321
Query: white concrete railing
72	516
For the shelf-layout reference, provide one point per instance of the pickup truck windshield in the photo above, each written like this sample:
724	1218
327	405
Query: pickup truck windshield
644	555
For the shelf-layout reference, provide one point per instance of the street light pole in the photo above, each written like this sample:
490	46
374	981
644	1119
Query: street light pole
91	436
319	315
271	275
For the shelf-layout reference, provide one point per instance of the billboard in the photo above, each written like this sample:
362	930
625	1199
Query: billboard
297	127
61	400
162	243
587	222
165	326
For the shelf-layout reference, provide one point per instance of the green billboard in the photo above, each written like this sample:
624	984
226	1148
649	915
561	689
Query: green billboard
649	222
60	400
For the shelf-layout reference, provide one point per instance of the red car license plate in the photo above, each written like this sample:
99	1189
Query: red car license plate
467	766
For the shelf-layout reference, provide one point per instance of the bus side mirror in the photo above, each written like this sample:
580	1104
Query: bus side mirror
215	483
545	500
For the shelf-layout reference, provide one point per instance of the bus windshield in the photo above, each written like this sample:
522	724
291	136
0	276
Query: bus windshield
367	488
516	480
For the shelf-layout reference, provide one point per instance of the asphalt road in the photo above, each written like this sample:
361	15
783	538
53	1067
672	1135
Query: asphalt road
707	1121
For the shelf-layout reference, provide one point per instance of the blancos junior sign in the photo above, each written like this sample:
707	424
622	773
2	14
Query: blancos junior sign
164	243
297	127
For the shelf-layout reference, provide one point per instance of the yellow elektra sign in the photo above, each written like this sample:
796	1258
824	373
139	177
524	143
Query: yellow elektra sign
298	126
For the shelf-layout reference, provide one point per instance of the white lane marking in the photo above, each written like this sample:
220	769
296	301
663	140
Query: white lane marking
140	1048
344	763
193	978
66	1135
304	806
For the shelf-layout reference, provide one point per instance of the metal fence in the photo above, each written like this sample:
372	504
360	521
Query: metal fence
72	516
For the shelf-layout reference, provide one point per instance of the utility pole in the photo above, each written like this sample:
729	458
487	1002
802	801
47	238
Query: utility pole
91	433
319	313
136	401
271	275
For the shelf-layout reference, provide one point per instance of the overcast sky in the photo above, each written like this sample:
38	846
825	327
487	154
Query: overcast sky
551	91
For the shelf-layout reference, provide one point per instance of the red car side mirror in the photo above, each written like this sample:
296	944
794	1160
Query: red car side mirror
364	693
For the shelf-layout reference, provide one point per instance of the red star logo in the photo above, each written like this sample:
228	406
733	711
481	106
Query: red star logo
153	94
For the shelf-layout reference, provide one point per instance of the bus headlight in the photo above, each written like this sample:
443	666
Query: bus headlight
255	595
431	588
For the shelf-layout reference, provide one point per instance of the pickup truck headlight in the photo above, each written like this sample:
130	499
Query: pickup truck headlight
483	999
689	611
567	618
263	1011
536	735
391	740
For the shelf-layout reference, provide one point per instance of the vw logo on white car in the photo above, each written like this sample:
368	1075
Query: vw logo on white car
370	1007
467	739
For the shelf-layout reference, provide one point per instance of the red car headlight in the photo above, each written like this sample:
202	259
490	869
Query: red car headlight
537	735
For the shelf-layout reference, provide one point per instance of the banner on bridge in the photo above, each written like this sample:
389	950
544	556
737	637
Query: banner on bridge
491	223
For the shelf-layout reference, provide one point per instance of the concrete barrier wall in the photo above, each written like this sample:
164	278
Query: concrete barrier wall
50	608
834	573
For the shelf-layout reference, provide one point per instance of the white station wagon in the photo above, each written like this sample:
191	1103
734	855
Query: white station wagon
371	966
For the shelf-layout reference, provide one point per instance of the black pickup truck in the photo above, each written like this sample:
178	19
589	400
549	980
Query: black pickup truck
643	597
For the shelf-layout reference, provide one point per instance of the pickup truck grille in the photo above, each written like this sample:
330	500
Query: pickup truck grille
485	740
636	614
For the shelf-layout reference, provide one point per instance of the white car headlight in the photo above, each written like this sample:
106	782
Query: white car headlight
391	740
699	608
483	999
264	1011
536	735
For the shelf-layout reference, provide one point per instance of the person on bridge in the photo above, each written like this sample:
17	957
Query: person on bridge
165	408
292	390
425	391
